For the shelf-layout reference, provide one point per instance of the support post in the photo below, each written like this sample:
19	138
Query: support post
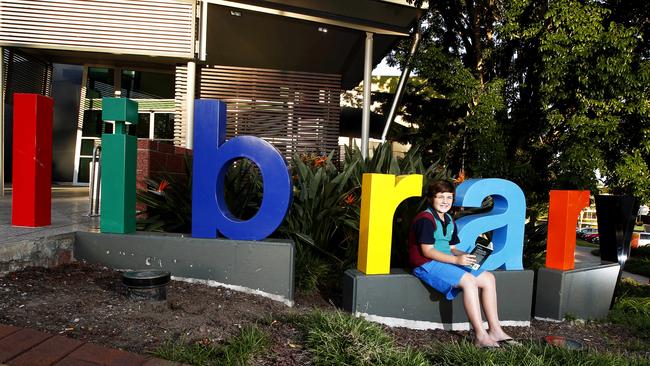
204	31
2	123
402	83
189	104
367	85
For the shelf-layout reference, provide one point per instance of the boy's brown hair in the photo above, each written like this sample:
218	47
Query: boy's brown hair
440	186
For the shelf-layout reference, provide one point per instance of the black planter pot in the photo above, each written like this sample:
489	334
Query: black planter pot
616	217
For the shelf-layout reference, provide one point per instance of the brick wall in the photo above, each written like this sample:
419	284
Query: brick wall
157	157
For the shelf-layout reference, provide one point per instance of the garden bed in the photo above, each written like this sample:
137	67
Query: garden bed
87	302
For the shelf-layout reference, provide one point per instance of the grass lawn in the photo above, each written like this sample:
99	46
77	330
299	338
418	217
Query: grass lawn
333	337
584	243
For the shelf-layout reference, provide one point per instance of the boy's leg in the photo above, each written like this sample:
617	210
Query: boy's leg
486	282
473	309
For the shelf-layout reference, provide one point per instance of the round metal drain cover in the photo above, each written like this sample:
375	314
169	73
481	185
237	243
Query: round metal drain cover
146	278
146	284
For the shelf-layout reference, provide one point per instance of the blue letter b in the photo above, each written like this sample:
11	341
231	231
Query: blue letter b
212	157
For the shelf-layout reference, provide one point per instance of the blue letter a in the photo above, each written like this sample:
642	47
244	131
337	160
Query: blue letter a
506	220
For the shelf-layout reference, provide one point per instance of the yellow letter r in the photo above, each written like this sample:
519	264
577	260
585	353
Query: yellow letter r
380	196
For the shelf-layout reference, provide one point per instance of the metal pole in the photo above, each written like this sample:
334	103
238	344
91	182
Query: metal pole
189	104
95	179
367	85
2	123
402	82
204	30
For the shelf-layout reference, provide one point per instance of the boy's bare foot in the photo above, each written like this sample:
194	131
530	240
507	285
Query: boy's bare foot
485	341
498	335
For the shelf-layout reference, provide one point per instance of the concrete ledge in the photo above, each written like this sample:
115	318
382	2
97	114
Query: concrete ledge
260	267
584	292
401	299
47	251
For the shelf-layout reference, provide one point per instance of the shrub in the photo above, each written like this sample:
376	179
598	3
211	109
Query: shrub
535	244
168	199
632	308
323	219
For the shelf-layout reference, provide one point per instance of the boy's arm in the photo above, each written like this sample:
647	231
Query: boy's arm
456	251
424	230
462	259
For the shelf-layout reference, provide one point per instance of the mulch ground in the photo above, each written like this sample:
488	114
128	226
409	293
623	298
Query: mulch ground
88	303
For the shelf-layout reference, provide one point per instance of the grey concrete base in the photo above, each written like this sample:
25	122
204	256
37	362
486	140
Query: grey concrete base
401	299
584	292
47	251
260	267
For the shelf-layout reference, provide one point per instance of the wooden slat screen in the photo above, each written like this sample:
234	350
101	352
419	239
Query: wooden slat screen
297	112
136	27
25	74
180	117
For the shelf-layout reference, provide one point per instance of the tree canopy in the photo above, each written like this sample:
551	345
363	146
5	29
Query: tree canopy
546	94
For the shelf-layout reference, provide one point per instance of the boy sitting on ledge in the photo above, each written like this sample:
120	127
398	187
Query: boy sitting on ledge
436	261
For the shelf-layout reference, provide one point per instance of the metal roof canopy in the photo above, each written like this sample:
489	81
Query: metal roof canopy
289	34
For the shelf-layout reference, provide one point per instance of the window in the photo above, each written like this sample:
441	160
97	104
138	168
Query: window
156	126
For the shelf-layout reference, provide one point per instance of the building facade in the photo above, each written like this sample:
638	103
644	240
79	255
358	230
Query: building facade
279	64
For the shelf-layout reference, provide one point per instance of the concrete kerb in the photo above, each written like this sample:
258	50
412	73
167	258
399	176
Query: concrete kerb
261	268
264	268
400	299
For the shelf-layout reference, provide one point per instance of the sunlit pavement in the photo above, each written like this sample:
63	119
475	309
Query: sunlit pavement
70	208
583	255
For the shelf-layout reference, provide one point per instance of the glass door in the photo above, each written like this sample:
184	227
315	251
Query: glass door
154	92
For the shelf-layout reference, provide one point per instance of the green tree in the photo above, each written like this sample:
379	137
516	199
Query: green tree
459	106
592	86
543	93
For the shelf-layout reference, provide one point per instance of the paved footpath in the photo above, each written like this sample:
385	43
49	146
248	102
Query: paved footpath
583	254
28	347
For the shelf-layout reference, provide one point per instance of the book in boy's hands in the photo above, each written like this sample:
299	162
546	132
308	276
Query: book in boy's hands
481	252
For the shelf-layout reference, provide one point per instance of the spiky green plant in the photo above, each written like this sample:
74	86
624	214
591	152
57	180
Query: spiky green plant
168	200
324	217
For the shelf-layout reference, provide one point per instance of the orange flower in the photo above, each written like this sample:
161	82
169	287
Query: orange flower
461	177
162	186
349	200
320	161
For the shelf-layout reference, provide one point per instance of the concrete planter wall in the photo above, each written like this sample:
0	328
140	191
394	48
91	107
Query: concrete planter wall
259	267
401	299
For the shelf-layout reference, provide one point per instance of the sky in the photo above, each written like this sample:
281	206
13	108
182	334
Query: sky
384	70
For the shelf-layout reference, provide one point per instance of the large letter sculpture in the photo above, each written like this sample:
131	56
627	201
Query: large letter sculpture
212	157
119	152
506	219
380	196
32	160
564	208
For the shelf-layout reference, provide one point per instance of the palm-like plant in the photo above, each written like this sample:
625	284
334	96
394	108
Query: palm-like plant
168	203
323	219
